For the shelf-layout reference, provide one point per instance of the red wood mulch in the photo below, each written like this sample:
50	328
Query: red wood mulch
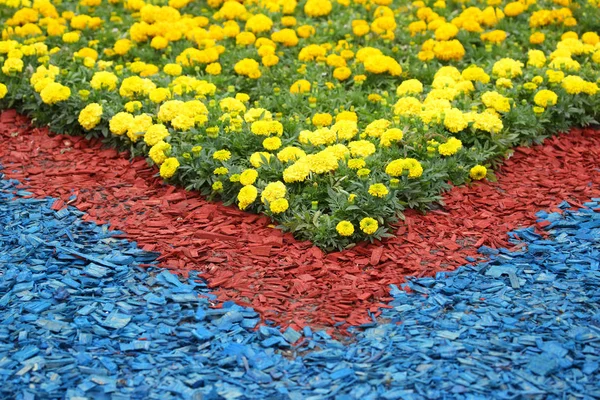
287	281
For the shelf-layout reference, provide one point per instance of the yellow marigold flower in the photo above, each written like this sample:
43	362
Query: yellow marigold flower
169	167
377	127
356	163
397	167
104	80
90	116
514	8
248	67
317	8
369	225
120	123
290	153
495	36
496	101
342	73
378	190
217	186
507	68
133	106
449	50
272	143
122	46
475	74
286	37
154	134
246	196
389	136
54	93
3	90
446	31
363	172
257	159
478	172
591	38
71	37
278	206
410	86
451	147
346	116
488	122
322	119
248	177
537	38
12	65
273	191
159	95
222	155
361	148
220	171
266	128
157	152
183	122
259	23
172	69
555	76
300	86
345	129
139	126
270	60
345	228
297	172
408	106
454	120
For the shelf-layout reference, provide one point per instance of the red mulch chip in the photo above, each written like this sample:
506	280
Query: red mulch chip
290	282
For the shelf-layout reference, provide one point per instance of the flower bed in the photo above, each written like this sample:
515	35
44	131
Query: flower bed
330	117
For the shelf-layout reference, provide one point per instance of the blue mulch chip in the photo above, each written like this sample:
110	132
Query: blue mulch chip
79	319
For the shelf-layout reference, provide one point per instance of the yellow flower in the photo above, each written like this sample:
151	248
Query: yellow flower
222	155
153	135
478	172
90	116
214	69
397	167
272	143
217	186
345	228
246	196
104	80
342	73
168	167
378	190
322	119
300	86
278	206
12	65
317	8
545	98
248	177
389	136
361	148
172	69
369	225
55	93
273	191
256	159
451	147
3	90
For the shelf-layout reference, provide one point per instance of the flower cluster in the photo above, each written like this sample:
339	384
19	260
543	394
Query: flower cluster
330	117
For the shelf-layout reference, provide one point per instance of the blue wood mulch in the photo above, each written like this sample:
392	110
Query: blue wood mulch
80	319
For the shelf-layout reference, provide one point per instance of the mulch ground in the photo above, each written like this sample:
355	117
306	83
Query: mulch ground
289	282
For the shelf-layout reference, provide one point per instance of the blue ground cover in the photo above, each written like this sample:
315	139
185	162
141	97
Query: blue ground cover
80	319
